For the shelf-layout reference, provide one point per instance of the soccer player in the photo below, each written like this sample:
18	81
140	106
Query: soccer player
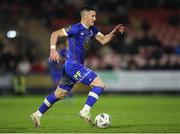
79	36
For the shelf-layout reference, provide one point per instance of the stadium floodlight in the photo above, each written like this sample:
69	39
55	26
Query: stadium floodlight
11	34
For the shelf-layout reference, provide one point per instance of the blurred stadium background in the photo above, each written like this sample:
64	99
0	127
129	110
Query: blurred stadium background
146	59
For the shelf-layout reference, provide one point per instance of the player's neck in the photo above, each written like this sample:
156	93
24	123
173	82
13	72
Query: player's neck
85	25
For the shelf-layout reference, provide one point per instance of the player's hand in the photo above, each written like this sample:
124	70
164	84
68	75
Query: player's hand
54	55
119	28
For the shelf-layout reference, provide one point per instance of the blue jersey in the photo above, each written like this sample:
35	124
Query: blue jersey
74	70
79	41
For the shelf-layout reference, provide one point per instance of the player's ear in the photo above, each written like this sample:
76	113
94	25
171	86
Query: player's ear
85	16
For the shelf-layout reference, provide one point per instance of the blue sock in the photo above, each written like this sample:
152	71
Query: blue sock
48	102
94	95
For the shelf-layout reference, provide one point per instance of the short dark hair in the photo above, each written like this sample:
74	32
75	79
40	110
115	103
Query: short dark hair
87	8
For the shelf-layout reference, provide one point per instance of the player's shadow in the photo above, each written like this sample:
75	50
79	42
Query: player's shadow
137	125
124	126
2	128
111	127
12	129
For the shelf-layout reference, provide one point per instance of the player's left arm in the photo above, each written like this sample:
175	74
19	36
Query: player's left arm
104	39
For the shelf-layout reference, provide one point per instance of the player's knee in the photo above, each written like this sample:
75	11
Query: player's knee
102	85
99	84
60	93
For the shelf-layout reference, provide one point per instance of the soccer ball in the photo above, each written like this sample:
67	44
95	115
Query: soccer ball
103	120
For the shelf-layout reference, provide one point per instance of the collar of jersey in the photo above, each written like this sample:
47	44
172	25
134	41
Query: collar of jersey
84	26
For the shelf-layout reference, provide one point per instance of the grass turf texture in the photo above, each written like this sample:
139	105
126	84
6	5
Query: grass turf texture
130	113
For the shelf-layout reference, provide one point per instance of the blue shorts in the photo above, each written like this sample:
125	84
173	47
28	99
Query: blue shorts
75	72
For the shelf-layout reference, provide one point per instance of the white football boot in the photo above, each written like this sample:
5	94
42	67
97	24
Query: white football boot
36	120
87	117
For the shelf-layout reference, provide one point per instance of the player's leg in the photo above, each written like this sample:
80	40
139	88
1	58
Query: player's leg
90	78
97	87
52	98
80	73
61	91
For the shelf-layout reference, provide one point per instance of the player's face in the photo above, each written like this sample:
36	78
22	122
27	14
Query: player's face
91	18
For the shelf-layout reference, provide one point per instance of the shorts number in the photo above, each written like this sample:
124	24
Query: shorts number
77	75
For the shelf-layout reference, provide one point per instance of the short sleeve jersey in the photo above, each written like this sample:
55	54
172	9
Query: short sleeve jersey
79	41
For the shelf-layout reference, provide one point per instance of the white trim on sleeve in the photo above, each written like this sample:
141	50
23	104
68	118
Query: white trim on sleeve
65	33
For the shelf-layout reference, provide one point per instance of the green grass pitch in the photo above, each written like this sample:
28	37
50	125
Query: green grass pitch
130	113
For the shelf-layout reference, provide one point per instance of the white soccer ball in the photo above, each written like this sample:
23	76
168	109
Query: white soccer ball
103	120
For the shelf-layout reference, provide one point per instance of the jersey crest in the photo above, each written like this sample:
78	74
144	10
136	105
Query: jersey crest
87	44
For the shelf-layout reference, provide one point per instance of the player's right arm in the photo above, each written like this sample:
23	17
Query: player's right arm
67	31
54	55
